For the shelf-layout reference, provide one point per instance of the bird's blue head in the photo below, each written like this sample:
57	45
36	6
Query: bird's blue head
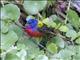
32	22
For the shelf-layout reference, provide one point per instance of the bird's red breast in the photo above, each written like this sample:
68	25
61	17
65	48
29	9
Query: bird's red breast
32	33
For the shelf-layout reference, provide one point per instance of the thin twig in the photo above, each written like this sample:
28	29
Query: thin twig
67	11
39	15
19	25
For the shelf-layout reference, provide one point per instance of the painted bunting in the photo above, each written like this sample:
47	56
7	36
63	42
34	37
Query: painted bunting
32	27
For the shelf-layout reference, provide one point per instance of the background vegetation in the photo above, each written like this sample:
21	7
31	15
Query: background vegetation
62	44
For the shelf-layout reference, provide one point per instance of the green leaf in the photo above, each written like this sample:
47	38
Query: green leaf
77	53
78	41
49	23
74	19
52	47
20	46
22	54
59	41
53	17
65	54
69	26
78	33
41	57
10	56
10	11
31	47
51	2
56	57
63	28
9	39
33	7
4	27
17	30
72	34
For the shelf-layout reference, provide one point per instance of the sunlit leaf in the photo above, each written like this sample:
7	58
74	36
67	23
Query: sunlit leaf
74	19
65	54
31	47
78	34
9	39
22	54
17	30
78	41
78	38
10	11
77	53
52	47
41	57
4	27
49	23
20	46
11	57
59	41
33	7
56	57
72	34
63	28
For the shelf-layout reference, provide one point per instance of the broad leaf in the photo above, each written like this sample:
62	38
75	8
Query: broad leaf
30	46
49	23
72	34
65	54
59	41
22	54
9	39
33	7
10	56
10	12
74	19
17	30
52	48
78	40
77	53
63	28
4	27
41	57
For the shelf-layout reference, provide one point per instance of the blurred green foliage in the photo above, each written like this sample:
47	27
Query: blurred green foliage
26	48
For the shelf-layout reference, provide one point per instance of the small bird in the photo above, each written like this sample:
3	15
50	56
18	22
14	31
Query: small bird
36	29
32	28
